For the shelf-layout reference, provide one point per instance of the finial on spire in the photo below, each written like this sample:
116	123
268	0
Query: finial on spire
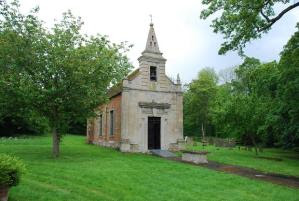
151	16
178	80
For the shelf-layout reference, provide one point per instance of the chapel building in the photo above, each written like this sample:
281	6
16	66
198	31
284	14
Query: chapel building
145	110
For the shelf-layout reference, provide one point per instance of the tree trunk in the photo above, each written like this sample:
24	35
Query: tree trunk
203	131
254	144
56	141
203	141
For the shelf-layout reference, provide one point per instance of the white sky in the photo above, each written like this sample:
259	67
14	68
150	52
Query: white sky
188	43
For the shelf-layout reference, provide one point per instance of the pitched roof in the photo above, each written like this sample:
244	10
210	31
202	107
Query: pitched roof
133	74
117	88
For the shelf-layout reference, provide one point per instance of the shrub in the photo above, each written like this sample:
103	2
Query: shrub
11	169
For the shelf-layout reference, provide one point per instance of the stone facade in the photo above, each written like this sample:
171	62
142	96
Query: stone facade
147	92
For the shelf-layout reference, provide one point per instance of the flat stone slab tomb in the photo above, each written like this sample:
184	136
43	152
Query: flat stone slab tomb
197	157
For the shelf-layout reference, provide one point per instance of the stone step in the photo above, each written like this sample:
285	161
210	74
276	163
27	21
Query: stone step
162	153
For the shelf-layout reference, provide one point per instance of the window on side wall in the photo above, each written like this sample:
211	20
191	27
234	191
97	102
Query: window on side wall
153	73
100	125
111	122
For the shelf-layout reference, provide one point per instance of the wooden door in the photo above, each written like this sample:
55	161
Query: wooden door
154	132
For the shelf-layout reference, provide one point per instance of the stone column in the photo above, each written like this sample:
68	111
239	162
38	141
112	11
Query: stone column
125	118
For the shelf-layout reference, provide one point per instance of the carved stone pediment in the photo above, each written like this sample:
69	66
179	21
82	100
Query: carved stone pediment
154	105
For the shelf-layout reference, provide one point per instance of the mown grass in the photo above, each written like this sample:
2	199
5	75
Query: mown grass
87	172
265	161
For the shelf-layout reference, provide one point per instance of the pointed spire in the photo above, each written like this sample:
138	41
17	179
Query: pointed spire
152	48
152	43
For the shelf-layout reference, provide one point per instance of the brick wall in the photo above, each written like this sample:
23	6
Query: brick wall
106	138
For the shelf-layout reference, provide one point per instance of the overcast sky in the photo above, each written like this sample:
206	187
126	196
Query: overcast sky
187	42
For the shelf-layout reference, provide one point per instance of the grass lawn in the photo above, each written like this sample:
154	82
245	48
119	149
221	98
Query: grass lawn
289	165
87	172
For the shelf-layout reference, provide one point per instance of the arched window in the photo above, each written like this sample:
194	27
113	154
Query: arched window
100	125
111	122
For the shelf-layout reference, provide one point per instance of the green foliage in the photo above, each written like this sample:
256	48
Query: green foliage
11	169
16	52
60	74
253	97
198	100
288	93
78	127
244	107
25	124
243	20
259	106
221	111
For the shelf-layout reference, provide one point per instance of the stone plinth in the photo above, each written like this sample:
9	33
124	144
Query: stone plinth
125	145
181	144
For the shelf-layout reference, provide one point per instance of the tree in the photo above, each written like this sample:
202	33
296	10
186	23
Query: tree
254	98
257	104
288	93
198	100
244	107
244	20
220	112
16	50
65	74
226	75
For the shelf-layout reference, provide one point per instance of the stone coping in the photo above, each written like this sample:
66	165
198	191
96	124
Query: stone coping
195	152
